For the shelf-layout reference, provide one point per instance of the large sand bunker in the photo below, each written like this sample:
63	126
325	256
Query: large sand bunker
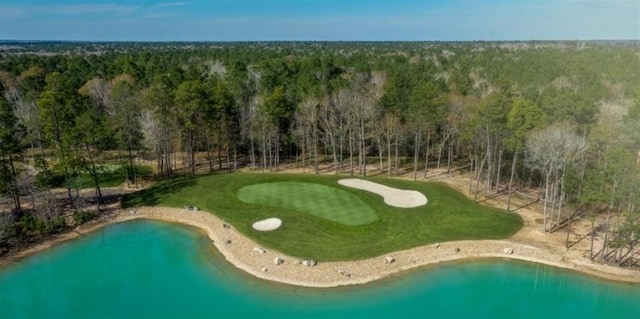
392	196
267	224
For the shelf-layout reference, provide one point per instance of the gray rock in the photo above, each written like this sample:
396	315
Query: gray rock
278	261
259	250
389	260
508	251
457	250
310	263
344	273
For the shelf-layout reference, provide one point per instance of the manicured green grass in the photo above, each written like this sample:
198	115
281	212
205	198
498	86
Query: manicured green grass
448	216
323	201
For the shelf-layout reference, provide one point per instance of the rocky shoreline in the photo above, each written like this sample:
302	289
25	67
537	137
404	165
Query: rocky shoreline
274	266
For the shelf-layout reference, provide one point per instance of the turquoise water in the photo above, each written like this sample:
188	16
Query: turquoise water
149	269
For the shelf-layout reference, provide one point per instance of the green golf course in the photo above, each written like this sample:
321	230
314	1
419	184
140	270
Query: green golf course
326	221
323	201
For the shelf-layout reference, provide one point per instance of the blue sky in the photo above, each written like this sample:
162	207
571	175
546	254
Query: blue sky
250	20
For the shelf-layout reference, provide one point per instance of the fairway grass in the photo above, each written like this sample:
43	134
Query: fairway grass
448	216
323	201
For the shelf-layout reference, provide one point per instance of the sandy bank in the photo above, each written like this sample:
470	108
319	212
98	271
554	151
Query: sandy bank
241	252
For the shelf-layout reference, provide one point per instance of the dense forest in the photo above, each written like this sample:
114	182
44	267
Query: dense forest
555	121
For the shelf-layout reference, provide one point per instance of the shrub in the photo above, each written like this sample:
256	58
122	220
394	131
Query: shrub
81	217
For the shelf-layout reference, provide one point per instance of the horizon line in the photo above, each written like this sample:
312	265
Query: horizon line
315	41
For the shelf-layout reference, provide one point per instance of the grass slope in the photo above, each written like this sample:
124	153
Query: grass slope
327	202
448	216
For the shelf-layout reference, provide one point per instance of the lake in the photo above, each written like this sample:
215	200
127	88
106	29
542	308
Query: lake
149	269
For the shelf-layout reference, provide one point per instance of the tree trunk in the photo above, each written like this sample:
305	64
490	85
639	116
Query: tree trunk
546	201
566	242
380	151
94	175
561	200
499	170
264	153
478	173
315	148
363	146
207	140
277	152
397	160
450	157
606	230
350	151
416	152
16	191
513	172
218	148
472	162
593	233
389	155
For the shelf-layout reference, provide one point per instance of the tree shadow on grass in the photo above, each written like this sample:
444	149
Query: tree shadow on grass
151	196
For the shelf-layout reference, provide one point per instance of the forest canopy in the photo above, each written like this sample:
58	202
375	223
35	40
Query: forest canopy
557	118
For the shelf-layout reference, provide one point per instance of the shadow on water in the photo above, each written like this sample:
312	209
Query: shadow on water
151	196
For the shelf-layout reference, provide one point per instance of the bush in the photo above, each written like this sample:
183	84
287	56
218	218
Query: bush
81	217
53	225
7	230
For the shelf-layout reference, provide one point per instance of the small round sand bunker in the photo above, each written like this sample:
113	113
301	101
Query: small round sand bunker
268	224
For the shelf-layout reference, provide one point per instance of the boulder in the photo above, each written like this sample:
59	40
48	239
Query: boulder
228	242
265	269
389	260
259	250
278	261
310	263
457	250
437	245
508	251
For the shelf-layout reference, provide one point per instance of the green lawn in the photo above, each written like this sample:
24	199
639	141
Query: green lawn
448	216
323	201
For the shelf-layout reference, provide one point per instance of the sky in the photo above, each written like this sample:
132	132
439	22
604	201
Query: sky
319	20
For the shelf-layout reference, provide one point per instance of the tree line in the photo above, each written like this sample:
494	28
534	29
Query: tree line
554	120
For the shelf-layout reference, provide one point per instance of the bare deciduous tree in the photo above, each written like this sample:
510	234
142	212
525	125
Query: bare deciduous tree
549	151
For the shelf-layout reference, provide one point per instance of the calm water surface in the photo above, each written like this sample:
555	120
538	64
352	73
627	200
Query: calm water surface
147	269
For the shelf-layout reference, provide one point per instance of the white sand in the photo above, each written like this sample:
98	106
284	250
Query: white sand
268	224
392	196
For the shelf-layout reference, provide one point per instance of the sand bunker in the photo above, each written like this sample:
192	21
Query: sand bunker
392	196
267	224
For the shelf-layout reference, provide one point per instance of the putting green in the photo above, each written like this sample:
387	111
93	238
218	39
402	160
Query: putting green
323	201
